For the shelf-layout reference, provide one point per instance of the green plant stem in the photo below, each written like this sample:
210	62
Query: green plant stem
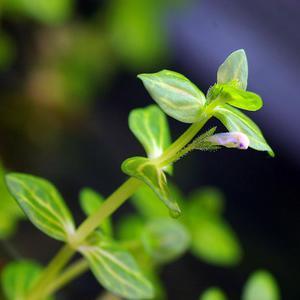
56	264
171	153
72	272
113	202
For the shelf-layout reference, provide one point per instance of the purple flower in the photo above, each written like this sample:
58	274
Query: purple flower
230	140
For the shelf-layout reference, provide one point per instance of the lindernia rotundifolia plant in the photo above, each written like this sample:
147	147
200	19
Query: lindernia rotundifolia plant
112	262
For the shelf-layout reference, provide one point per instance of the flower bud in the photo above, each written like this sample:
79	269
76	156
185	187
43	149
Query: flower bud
230	140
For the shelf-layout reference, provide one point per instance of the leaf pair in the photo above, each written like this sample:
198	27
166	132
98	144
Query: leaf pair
150	127
181	99
231	87
212	239
47	210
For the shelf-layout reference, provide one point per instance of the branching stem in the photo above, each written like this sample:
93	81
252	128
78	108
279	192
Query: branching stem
113	202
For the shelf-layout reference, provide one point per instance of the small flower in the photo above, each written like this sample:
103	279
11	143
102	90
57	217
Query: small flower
230	140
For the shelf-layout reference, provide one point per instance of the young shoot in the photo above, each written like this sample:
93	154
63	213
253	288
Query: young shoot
126	260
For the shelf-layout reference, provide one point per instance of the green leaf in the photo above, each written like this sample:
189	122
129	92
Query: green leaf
130	227
115	268
42	204
18	277
150	126
213	239
177	96
208	199
261	286
142	168
213	293
90	201
234	120
242	99
165	239
148	204
234	70
236	97
10	212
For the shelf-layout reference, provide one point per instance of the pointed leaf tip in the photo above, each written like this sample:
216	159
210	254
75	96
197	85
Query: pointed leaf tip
150	127
234	70
144	170
177	96
42	204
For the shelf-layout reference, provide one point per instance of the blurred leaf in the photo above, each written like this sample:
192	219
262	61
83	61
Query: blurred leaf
7	50
10	212
234	70
51	12
261	286
17	279
148	203
90	201
115	268
165	239
177	96
155	178
150	126
213	293
213	240
207	199
130	227
234	120
42	204
137	33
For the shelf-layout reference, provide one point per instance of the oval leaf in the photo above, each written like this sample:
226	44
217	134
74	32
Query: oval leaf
91	201
175	94
17	279
116	269
42	204
261	286
242	99
142	168
213	293
165	239
213	239
150	126
234	70
237	97
234	120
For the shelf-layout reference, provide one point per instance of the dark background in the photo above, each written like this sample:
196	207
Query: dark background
80	138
